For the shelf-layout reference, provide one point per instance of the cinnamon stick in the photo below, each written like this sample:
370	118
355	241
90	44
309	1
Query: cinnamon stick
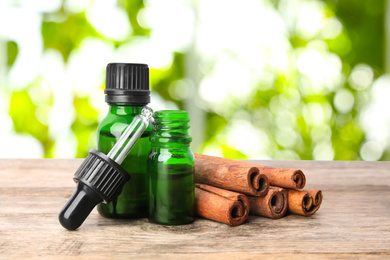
285	178
224	206
241	178
304	202
273	205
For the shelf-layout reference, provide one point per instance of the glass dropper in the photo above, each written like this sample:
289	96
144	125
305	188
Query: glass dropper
130	136
100	177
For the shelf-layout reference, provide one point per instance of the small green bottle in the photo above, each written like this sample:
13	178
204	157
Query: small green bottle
127	92
171	169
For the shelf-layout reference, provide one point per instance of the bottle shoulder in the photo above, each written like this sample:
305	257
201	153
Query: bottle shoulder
114	125
120	114
172	157
111	119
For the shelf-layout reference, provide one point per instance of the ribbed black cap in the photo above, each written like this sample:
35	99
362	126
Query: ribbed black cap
100	179
102	174
127	83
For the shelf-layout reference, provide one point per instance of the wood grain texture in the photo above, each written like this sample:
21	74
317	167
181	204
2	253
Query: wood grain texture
353	221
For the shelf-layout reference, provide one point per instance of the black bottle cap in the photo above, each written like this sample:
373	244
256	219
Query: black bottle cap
127	83
100	179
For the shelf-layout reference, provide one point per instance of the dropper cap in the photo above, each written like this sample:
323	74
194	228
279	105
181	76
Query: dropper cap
100	177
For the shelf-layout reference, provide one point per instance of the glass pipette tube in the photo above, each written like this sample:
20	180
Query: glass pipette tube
100	177
130	136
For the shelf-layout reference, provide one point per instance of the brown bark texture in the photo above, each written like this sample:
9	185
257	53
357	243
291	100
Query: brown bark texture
285	178
224	206
304	202
273	205
241	178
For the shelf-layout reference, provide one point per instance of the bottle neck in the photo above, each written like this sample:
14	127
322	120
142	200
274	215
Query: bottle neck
170	134
124	109
170	129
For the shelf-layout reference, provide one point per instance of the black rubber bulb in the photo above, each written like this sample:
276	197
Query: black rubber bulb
99	179
78	207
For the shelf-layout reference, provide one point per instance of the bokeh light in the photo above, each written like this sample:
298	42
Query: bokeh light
261	79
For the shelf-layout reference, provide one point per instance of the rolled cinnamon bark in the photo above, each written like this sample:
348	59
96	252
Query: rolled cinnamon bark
304	202
273	205
235	177
285	178
224	206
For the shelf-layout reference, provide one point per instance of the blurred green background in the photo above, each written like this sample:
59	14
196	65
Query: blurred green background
261	79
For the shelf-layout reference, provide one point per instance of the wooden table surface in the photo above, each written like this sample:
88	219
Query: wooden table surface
353	221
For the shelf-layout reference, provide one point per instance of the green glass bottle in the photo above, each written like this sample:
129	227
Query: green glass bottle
171	169
127	92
